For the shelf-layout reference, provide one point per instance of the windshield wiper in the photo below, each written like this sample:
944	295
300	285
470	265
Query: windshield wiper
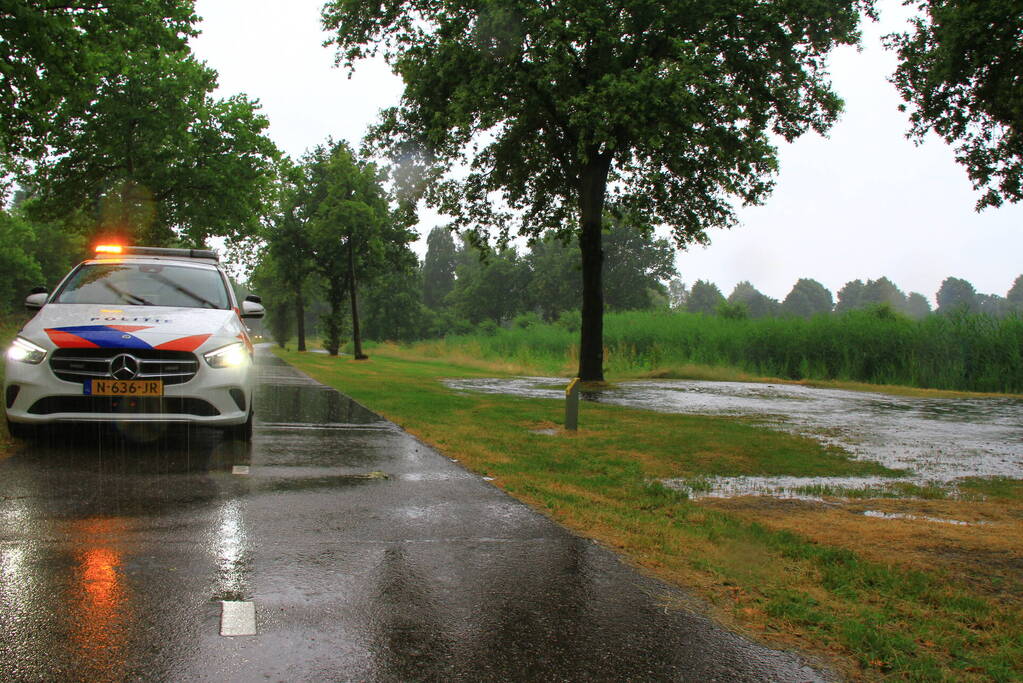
184	290
128	296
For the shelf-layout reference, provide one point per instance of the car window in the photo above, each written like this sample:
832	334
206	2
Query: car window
145	284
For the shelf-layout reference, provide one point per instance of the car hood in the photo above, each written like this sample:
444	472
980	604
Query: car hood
136	327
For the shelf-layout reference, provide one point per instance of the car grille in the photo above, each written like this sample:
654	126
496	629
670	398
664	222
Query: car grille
163	405
80	365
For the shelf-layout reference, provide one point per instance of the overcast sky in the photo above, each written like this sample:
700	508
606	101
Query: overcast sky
862	203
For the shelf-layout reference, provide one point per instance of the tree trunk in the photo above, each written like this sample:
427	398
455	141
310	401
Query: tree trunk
592	190
300	318
335	295
356	334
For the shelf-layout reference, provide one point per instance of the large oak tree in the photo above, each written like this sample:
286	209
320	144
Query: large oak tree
554	107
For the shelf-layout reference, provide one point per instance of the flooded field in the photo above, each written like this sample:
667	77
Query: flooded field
933	441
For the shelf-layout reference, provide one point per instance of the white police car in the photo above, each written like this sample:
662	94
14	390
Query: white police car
135	335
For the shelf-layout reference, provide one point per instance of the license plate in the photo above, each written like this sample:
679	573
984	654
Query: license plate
117	387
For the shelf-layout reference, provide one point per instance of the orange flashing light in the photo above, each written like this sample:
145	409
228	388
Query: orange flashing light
109	249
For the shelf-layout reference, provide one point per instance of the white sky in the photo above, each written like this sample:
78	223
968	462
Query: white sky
863	203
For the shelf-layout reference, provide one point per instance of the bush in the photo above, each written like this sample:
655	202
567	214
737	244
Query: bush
526	320
572	321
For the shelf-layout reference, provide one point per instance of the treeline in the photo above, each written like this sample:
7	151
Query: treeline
457	288
809	297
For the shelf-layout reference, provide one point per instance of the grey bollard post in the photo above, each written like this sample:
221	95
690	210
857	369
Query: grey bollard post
572	405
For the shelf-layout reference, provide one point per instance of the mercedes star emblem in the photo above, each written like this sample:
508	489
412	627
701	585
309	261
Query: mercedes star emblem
124	367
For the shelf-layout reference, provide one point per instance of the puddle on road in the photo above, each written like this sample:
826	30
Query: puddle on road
937	441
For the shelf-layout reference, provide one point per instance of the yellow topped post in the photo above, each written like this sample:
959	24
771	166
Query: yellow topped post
572	405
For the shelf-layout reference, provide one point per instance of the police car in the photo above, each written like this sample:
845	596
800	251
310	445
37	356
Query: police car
135	335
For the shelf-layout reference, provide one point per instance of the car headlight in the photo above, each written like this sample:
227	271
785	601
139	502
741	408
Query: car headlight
230	356
24	351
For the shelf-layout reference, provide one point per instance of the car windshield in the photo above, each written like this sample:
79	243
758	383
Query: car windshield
145	284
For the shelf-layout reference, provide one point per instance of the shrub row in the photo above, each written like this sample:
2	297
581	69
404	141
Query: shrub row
966	352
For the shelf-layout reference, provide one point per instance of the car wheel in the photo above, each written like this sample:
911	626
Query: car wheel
242	432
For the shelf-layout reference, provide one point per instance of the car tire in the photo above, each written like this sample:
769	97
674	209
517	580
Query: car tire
242	432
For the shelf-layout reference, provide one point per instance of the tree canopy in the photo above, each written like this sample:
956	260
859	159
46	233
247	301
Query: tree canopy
755	303
960	72
956	294
155	157
439	266
663	107
807	298
105	114
705	297
54	56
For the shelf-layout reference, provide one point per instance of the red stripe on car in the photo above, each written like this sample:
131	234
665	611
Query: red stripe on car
184	343
66	340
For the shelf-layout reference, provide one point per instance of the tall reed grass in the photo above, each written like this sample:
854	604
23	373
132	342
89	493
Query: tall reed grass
955	352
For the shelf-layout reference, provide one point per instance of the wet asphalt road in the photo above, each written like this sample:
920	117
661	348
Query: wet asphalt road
115	558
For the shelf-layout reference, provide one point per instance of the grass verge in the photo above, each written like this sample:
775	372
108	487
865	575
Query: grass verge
819	578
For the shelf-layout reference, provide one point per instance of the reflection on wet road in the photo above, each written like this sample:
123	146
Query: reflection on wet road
367	556
932	440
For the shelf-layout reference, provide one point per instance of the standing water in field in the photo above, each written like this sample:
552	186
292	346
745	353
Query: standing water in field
937	441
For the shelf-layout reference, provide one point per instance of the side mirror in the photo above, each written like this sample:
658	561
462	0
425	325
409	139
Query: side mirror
251	309
254	299
36	300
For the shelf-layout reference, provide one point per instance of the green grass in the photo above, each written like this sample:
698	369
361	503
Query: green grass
876	618
974	353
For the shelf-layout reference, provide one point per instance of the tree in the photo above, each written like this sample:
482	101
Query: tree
960	73
883	291
704	297
438	267
956	294
850	297
1014	297
663	108
490	286
393	308
807	298
154	158
756	304
678	294
992	304
917	306
268	279
353	234
555	282
55	55
636	264
21	270
290	248
34	252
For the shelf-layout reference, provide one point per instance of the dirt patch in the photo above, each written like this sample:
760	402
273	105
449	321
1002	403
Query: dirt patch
979	544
